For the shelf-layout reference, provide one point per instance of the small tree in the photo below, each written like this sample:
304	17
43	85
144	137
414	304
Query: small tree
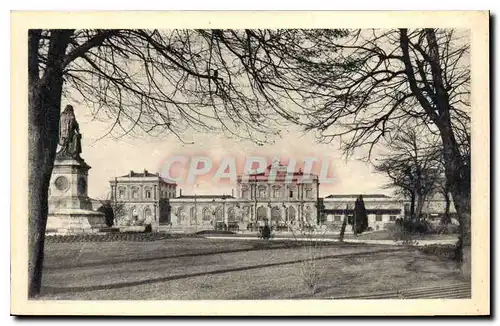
342	229
360	218
113	211
266	232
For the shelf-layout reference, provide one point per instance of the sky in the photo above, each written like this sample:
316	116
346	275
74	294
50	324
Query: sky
110	157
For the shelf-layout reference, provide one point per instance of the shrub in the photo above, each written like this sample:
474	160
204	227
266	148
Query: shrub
397	231
444	251
309	271
342	230
412	226
148	228
266	232
445	229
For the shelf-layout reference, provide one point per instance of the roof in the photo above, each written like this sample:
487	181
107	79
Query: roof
205	196
280	174
146	174
356	196
342	211
373	205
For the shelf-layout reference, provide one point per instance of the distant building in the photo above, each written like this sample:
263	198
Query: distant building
281	199
382	210
434	208
276	197
144	197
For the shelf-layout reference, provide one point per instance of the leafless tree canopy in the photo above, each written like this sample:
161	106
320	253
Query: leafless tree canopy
168	81
348	83
368	91
413	162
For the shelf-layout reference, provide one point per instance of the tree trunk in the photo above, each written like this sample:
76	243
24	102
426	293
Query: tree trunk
458	177
457	173
419	207
43	139
446	218
44	102
342	229
412	206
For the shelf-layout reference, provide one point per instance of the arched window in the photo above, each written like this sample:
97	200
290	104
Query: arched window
231	215
148	215
291	214
261	213
218	214
135	193
134	214
308	216
121	193
192	216
275	215
147	193
207	215
180	214
245	214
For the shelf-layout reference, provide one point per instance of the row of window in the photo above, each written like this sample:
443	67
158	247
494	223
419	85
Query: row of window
378	218
148	194
276	193
167	194
207	214
147	213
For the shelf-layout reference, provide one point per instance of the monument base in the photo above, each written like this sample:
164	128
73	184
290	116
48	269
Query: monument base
75	221
70	208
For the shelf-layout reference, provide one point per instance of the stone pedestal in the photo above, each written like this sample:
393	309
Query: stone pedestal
70	208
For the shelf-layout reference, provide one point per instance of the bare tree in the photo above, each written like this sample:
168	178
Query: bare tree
364	85
413	166
157	82
113	210
444	189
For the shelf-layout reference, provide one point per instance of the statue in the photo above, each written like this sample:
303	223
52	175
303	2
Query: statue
69	135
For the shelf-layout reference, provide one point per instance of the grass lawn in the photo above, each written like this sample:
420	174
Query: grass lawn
385	235
198	268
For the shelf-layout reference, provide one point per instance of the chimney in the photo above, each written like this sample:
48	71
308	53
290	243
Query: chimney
131	173
145	172
180	192
232	192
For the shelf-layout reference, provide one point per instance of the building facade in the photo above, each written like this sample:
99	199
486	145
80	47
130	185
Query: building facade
382	210
283	200
143	196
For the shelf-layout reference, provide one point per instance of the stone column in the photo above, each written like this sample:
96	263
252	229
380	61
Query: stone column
224	214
